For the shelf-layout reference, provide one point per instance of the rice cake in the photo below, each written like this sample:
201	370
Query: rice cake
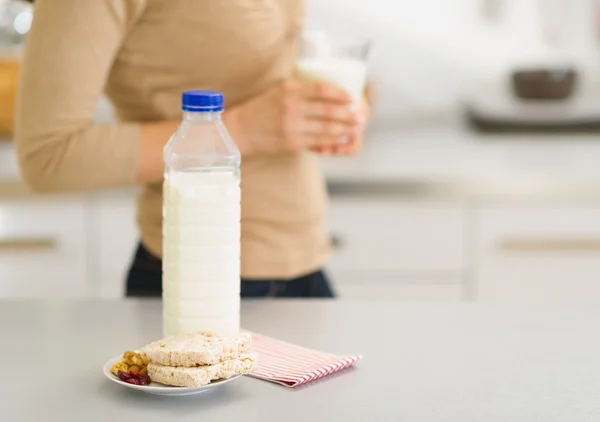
195	349
200	375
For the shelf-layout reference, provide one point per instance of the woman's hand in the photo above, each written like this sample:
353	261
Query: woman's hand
353	144
292	116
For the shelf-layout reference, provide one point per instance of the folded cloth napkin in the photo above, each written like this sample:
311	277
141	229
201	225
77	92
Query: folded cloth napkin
291	365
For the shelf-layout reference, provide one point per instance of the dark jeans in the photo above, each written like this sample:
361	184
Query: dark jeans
145	280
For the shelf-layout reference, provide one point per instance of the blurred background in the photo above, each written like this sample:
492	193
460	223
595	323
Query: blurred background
479	179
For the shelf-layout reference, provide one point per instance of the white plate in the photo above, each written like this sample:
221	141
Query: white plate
161	389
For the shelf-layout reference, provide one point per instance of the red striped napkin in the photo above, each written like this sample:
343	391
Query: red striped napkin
291	365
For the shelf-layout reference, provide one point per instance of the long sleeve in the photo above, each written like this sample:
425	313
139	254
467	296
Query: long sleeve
67	59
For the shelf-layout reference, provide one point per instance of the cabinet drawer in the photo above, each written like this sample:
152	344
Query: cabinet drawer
43	250
115	235
539	254
357	286
395	235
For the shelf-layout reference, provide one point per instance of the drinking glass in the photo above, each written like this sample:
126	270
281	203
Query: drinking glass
339	61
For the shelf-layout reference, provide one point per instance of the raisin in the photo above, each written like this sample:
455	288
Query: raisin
134	378
123	375
144	380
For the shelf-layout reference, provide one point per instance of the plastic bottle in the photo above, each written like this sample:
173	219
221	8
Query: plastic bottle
201	221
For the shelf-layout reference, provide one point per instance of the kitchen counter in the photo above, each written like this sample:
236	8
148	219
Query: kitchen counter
422	362
442	158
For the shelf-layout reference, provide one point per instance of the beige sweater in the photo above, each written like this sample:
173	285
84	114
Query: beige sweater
143	54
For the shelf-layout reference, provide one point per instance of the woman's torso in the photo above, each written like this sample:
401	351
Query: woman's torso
241	48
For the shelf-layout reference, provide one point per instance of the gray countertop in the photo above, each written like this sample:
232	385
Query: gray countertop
422	362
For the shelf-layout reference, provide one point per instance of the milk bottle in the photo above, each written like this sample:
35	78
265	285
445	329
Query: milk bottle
201	221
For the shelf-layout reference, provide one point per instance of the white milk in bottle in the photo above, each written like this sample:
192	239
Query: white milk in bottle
201	221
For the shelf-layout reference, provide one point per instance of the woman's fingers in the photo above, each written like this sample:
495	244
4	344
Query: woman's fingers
348	149
324	150
329	128
320	116
321	141
323	91
337	149
321	110
355	143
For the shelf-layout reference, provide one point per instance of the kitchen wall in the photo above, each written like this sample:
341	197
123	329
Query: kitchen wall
427	53
419	49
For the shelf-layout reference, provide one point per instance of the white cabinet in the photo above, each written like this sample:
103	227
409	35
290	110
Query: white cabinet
113	238
396	235
546	253
43	248
82	245
67	246
394	248
352	285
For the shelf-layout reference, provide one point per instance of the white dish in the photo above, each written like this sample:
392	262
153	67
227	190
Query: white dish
161	389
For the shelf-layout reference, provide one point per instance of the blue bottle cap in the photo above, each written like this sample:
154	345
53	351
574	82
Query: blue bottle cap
202	101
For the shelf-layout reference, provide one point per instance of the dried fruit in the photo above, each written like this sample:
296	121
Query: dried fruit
133	358
121	366
131	362
135	379
123	375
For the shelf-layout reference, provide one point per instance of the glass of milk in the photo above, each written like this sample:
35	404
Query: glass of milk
339	61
